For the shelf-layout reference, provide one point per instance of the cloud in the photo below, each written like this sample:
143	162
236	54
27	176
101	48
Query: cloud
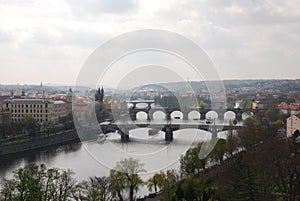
92	8
244	38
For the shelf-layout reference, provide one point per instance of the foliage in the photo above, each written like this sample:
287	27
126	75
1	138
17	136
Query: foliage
36	182
95	188
217	154
125	176
167	101
247	104
29	123
101	112
251	122
190	163
167	182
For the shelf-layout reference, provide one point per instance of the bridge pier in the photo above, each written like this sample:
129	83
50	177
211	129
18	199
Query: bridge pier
132	114
239	116
168	116
202	115
124	135
185	116
168	133
221	116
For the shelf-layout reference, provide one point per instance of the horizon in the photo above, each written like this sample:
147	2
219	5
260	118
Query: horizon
70	84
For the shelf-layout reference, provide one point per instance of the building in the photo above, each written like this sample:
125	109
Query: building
5	116
99	95
292	124
292	109
40	109
257	105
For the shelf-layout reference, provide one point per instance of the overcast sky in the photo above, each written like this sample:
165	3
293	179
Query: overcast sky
50	40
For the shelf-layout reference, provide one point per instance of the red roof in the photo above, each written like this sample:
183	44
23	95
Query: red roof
292	106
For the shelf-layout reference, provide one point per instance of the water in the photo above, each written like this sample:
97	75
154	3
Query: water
96	159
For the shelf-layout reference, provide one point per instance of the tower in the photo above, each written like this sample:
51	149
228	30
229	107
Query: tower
99	95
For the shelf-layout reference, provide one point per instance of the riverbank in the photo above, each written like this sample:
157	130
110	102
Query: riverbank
39	142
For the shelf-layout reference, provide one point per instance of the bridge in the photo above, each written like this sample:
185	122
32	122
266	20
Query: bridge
169	124
168	127
202	112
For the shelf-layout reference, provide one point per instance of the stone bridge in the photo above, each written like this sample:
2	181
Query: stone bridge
202	112
168	128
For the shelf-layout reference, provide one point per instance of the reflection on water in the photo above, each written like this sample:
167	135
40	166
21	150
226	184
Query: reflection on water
12	162
95	159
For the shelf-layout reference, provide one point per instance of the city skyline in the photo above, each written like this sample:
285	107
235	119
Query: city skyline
50	41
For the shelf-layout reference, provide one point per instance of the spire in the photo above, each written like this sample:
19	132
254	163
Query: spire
102	91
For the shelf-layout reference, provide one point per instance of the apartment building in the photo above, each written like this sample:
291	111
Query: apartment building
292	124
40	109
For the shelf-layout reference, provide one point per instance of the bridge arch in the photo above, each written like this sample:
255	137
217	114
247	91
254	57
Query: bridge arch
177	114
245	115
211	115
141	105
158	115
141	115
194	115
229	116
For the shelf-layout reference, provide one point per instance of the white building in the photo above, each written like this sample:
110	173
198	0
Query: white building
41	110
292	124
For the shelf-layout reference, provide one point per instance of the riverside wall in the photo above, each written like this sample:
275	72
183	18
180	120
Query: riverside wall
39	143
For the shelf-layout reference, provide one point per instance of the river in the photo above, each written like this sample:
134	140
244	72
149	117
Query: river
96	159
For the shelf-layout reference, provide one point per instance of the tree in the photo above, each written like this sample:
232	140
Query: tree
153	182
219	151
190	163
101	112
167	182
128	171
36	182
251	122
231	144
29	123
117	184
95	188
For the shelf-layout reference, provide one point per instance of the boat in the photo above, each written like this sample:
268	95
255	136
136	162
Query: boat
153	131
101	138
